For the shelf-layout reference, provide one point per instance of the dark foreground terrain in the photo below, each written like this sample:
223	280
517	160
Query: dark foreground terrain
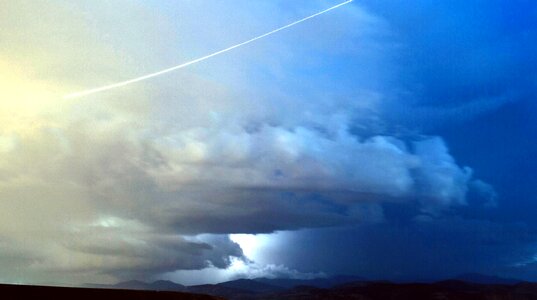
246	289
465	286
446	290
9	292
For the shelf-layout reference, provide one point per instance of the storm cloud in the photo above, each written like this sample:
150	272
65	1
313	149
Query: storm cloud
300	131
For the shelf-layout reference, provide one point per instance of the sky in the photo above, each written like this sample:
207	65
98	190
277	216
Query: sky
386	139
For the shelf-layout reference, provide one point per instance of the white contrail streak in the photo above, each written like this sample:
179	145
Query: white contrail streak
144	77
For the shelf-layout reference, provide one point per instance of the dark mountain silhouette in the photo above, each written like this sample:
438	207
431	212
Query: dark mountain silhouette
347	287
486	279
317	282
166	285
160	285
132	285
445	290
251	285
242	286
221	291
526	288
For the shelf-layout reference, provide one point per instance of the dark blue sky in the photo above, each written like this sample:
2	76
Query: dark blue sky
465	71
468	69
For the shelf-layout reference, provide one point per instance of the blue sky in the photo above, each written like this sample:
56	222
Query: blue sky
386	139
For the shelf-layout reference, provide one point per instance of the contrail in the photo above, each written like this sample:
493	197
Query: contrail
158	73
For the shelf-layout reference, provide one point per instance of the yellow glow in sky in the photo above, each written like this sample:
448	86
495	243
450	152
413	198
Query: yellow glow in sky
26	104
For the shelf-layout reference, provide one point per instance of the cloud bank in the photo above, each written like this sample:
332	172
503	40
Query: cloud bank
121	185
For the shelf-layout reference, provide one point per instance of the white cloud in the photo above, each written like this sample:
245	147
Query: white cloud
440	181
251	270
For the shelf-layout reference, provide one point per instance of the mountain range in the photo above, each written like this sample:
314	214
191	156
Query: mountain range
338	286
